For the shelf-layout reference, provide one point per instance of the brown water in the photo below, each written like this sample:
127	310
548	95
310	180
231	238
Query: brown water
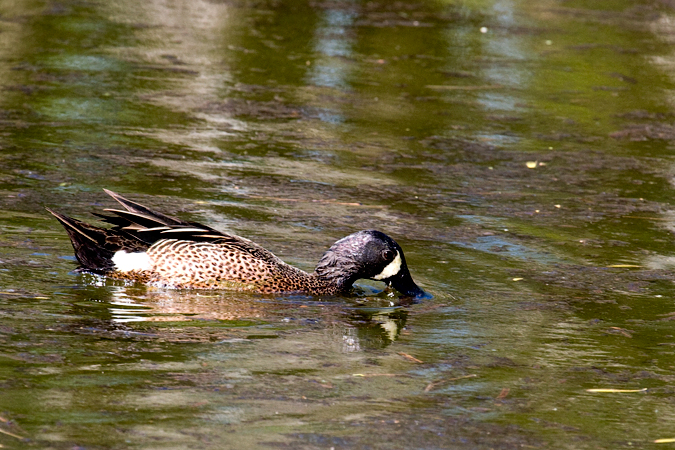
520	152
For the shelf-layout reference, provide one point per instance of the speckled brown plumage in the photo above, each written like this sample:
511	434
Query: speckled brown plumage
237	265
188	255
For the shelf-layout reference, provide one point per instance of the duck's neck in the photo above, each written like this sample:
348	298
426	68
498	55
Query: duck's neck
292	279
335	272
317	283
321	285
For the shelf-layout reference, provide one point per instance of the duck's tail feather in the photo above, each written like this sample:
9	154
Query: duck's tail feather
95	247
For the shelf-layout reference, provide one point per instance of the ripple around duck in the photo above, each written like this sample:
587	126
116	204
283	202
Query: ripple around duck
498	245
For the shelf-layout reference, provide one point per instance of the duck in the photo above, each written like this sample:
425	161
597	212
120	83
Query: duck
159	250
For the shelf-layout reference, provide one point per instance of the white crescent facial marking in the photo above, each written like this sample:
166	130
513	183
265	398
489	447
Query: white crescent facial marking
126	262
391	269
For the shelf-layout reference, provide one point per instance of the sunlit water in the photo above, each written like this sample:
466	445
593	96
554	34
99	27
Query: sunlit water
520	153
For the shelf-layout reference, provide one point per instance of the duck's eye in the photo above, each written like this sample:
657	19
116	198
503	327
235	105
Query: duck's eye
388	255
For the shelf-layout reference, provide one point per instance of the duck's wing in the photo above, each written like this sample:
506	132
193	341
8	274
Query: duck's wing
143	211
151	226
137	228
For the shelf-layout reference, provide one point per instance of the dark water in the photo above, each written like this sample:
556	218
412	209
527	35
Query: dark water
520	152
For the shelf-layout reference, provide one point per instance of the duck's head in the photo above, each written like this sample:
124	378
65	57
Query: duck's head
371	255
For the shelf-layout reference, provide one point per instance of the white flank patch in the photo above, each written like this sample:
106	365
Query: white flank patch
126	262
391	269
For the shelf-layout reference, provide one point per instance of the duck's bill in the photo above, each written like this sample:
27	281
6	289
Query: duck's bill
404	283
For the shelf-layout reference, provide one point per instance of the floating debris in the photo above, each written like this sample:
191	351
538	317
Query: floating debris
454	87
11	434
433	385
411	358
503	394
615	391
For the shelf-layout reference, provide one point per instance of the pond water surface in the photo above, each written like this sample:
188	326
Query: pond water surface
522	153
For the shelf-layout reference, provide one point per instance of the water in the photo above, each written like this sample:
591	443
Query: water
520	154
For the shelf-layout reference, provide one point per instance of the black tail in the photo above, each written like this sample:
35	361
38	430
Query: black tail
94	247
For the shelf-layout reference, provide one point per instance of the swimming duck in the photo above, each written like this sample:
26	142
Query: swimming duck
150	247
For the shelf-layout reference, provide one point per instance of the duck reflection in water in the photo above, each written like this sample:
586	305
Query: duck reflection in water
345	328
